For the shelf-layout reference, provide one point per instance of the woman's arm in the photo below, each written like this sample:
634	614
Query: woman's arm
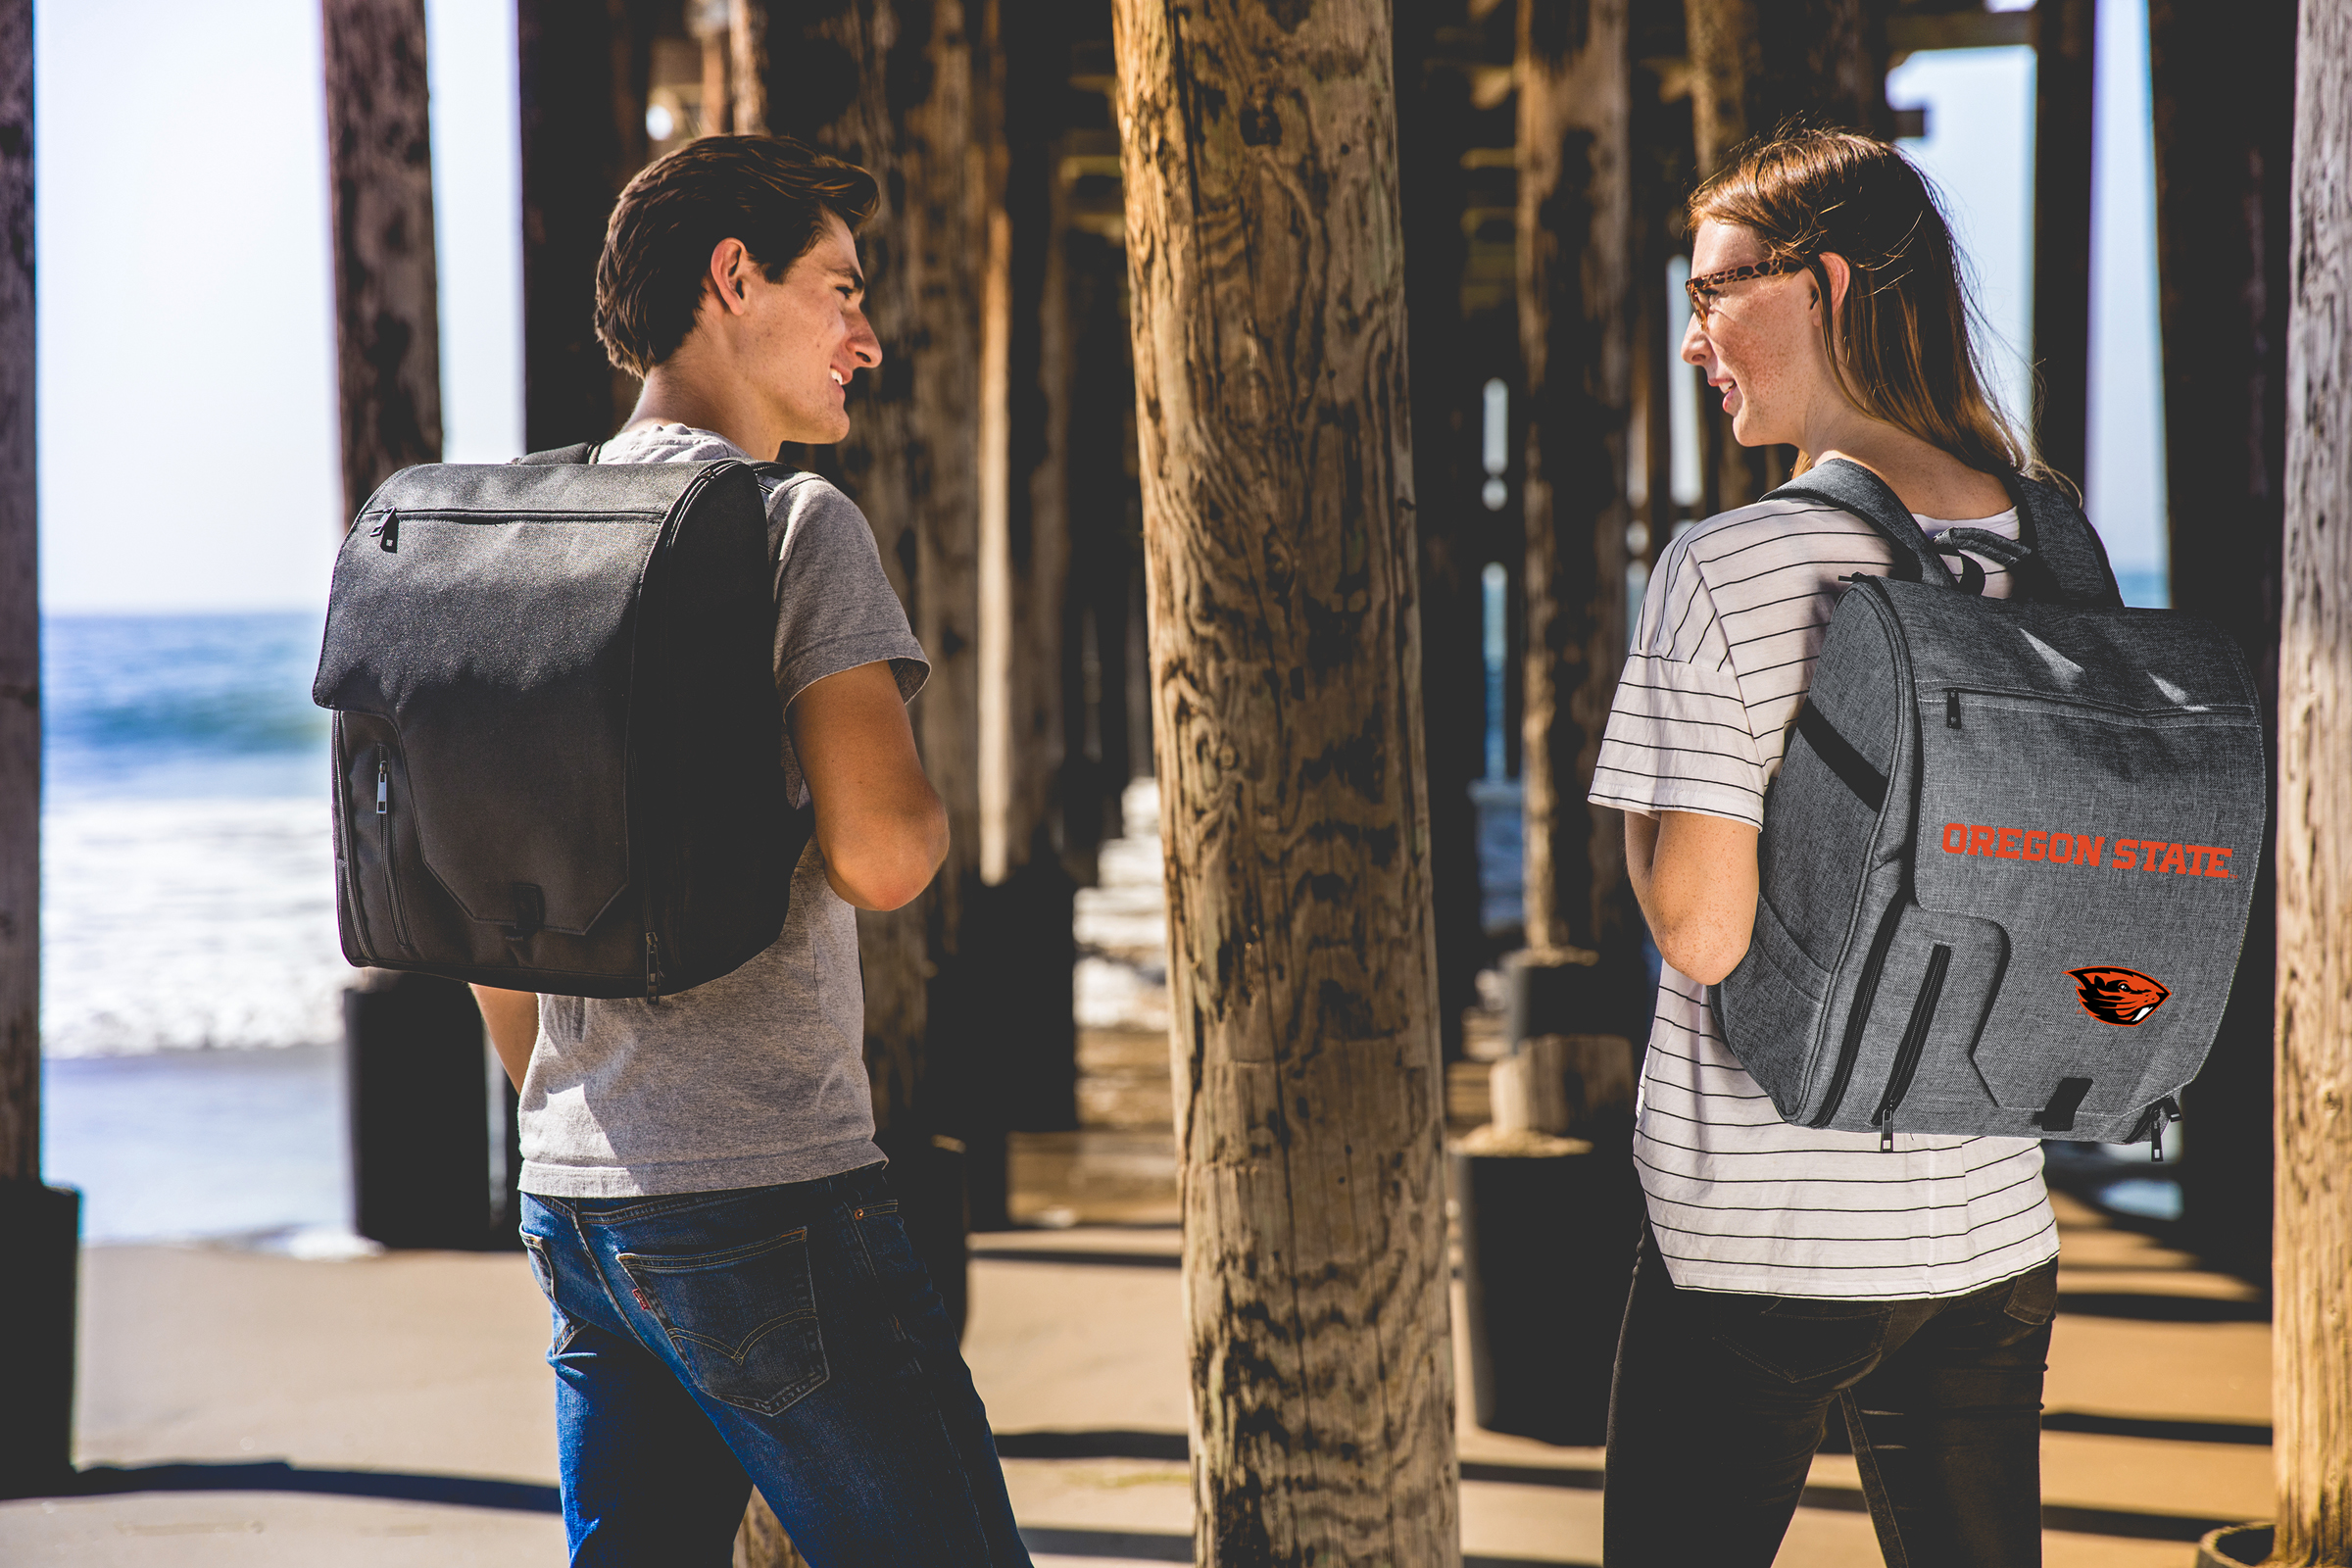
1695	877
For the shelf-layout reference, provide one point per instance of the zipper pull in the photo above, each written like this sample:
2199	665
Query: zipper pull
383	788
653	968
1951	707
2168	1111
1887	1137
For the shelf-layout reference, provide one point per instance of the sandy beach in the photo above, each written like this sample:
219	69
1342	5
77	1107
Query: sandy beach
395	1410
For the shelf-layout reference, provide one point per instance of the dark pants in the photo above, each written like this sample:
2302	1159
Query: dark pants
779	1335
1720	1401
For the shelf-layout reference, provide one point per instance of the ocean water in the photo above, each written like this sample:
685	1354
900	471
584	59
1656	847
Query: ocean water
190	975
188	868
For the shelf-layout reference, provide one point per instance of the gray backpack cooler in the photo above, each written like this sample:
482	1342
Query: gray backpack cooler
556	740
2005	876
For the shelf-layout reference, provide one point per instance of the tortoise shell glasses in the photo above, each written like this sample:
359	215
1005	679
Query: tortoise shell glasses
1704	289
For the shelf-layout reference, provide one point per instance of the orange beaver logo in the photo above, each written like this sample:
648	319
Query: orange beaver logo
2124	997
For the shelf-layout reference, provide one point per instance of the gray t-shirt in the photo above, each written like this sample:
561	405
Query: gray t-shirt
758	1076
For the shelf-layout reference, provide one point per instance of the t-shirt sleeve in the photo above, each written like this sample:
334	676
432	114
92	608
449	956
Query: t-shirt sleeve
835	610
1679	736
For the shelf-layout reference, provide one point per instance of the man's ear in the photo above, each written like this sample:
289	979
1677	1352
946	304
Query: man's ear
730	267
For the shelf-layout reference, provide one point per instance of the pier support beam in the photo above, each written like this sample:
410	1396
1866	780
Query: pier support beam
1576	247
2224	95
42	1223
2312	1379
1266	263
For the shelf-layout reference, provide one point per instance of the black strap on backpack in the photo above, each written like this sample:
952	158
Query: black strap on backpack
586	452
2058	558
578	452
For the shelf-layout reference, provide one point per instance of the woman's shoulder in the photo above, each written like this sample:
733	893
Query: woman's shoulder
1774	532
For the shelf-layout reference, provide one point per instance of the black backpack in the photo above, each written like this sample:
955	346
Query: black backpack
558	749
2006	873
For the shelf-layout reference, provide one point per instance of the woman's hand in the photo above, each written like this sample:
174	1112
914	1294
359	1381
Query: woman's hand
1697	879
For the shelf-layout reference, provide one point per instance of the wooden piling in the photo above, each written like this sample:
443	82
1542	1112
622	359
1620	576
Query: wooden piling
1433	133
911	457
1575	254
2223	96
2312	1368
19	622
581	85
1021	925
379	150
1758	67
1264	252
2065	35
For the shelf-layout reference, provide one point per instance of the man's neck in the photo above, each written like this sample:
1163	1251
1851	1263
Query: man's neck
674	393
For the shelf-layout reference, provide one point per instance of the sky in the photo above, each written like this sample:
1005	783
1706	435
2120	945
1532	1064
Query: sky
187	383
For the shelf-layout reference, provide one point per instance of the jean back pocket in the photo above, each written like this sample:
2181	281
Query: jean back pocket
742	1320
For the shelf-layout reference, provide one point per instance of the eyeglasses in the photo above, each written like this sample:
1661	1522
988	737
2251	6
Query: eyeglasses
1702	289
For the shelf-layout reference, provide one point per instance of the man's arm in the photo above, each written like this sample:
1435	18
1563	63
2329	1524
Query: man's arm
879	824
1696	879
512	1019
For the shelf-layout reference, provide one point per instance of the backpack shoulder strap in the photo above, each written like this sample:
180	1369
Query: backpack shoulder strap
580	452
2069	561
1851	487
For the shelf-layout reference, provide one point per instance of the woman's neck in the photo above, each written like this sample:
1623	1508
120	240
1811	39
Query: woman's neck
1929	480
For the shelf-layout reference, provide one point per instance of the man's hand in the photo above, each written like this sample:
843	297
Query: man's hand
879	824
1696	879
512	1019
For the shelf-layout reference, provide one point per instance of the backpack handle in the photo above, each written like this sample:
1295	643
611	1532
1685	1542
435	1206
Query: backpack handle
2059	558
1850	488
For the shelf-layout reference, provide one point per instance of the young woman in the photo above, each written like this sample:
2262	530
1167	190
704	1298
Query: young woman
1787	1270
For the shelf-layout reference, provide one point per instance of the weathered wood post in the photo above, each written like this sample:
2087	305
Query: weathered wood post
414	1070
2311	1367
581	98
1755	66
42	1223
1024	949
1576	246
1266	270
890	89
2224	92
19	622
2065	37
1432	132
381	178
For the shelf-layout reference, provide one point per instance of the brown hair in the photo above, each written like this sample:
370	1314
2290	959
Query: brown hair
1900	347
770	192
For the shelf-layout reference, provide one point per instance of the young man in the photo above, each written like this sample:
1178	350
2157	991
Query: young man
735	1300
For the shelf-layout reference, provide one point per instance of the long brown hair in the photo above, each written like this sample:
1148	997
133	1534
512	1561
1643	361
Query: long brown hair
1900	347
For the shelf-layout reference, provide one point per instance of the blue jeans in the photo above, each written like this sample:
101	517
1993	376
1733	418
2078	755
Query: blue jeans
779	1335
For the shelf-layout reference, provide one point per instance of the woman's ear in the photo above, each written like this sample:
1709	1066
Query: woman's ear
1840	275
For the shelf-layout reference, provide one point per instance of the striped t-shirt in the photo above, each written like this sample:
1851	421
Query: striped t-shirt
1739	1199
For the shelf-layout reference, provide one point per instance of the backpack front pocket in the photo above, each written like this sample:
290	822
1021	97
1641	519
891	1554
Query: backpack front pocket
1918	1012
379	837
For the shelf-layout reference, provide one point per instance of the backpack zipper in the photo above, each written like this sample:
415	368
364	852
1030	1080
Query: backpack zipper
2168	1111
1866	992
383	834
1914	1044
